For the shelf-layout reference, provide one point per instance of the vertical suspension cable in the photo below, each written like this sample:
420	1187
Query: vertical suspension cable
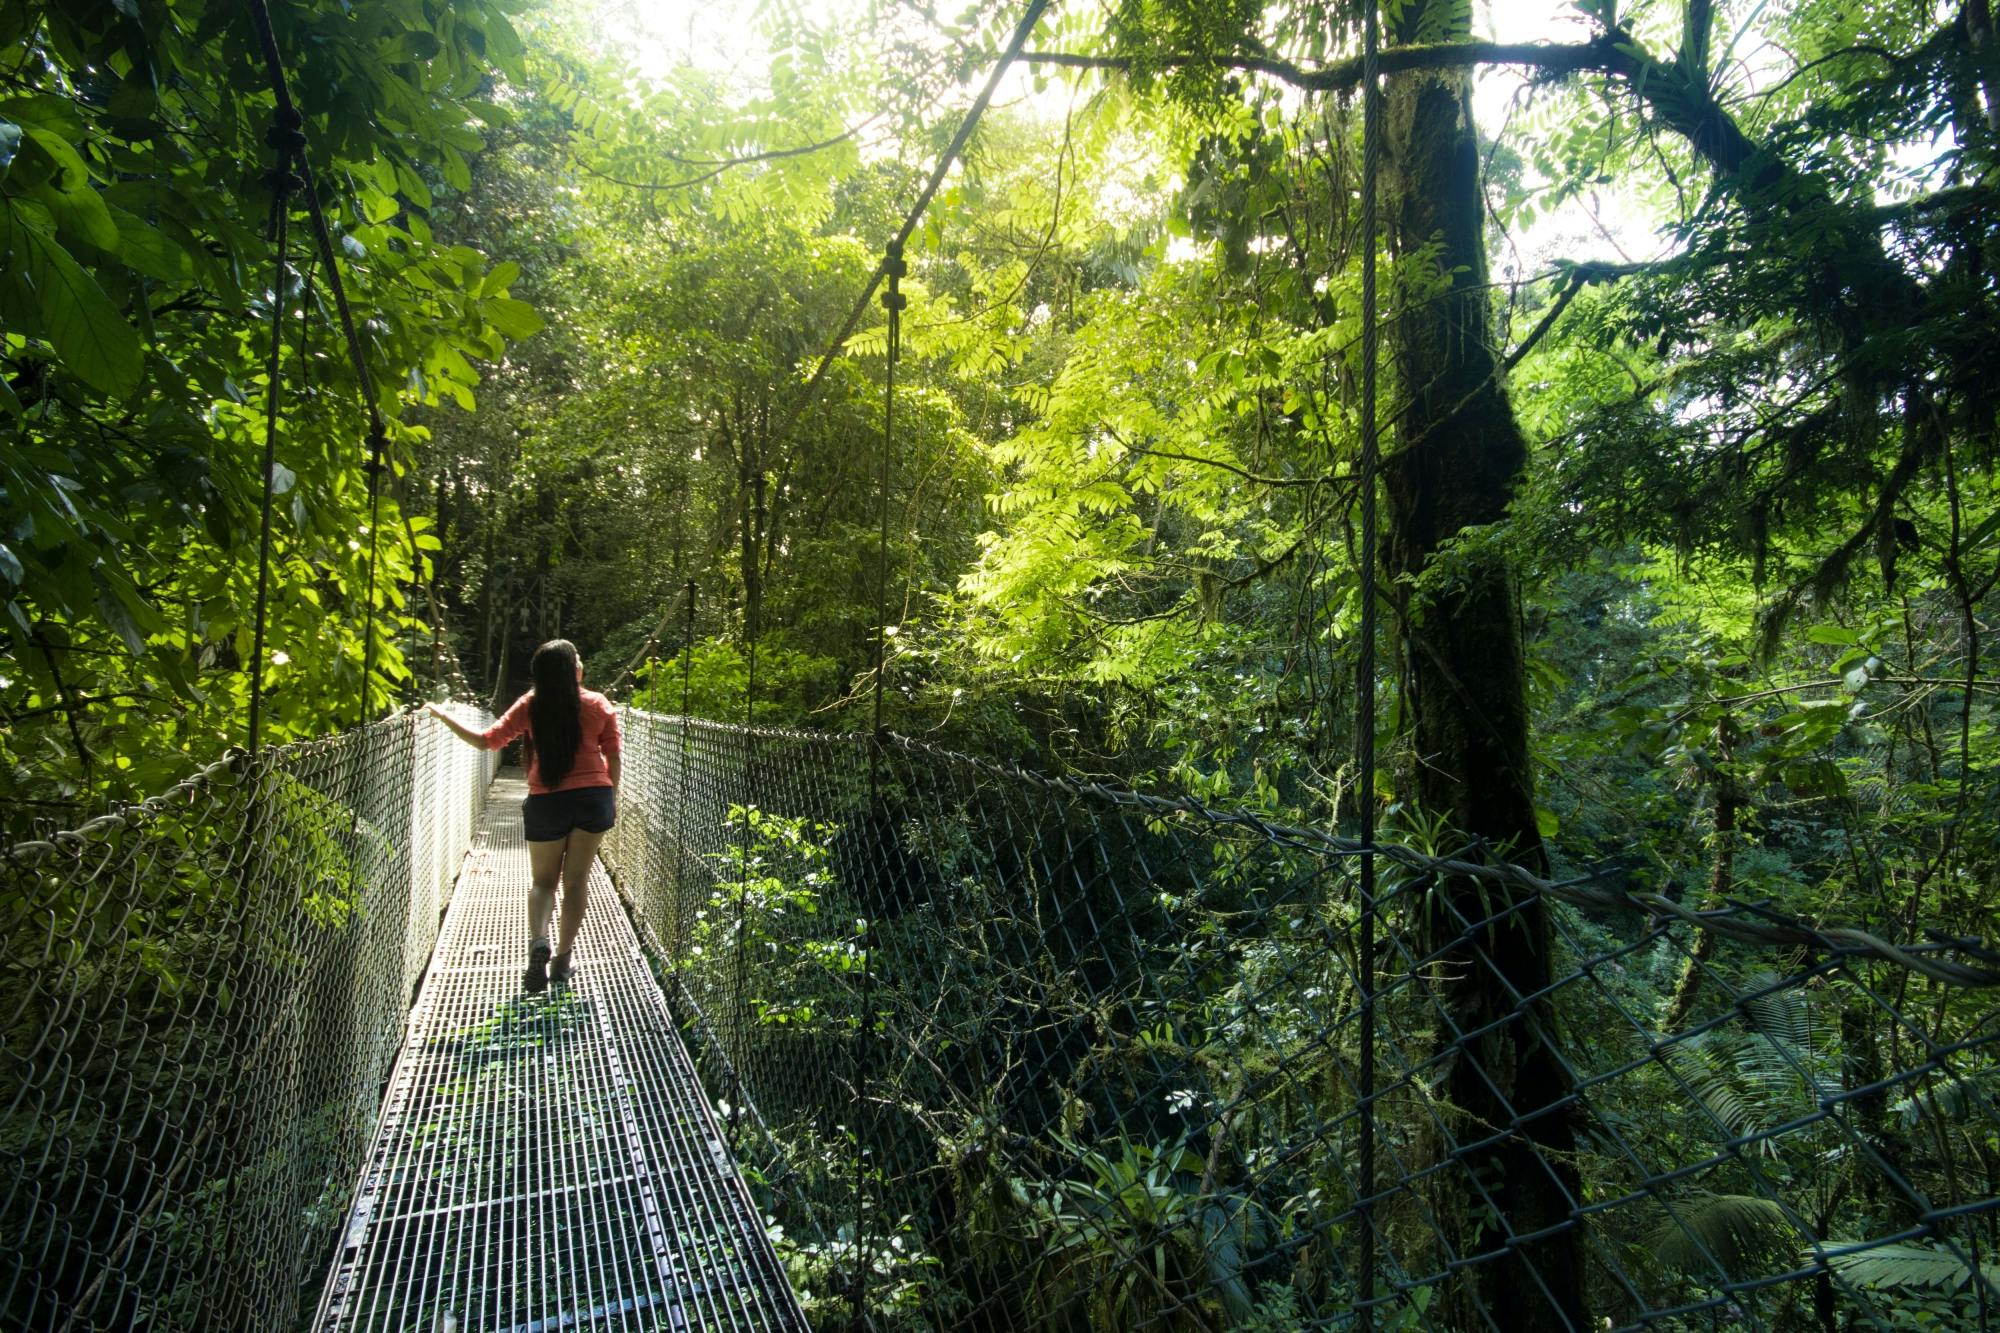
378	436
893	301
1364	706
285	137
687	659
1031	16
374	548
753	605
683	919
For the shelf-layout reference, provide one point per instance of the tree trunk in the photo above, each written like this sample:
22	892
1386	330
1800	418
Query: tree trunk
1458	454
1721	876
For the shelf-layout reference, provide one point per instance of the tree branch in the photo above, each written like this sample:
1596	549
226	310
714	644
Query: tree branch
1554	60
70	712
717	166
1577	280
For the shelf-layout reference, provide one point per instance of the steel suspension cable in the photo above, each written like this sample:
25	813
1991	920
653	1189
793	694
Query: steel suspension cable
682	925
284	136
1022	30
753	611
893	301
1364	707
378	436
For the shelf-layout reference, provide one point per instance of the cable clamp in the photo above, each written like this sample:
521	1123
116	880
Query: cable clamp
286	139
894	300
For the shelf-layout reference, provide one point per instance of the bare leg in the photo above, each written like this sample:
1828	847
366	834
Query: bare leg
577	861
545	867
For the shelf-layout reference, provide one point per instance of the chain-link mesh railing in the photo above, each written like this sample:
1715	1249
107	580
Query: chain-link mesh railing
1009	1053
201	996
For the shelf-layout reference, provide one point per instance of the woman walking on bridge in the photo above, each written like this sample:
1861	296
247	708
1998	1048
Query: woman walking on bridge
573	766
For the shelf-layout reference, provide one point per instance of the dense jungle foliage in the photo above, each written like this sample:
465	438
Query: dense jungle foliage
1689	387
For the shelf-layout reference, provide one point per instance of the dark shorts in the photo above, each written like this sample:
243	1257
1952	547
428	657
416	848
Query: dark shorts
550	816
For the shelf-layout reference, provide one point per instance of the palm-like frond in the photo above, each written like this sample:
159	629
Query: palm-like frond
1966	1097
1729	1236
1908	1265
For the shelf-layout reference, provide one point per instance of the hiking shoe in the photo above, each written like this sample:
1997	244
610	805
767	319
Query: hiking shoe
537	978
560	968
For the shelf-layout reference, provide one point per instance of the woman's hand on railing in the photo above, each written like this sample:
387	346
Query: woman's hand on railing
463	732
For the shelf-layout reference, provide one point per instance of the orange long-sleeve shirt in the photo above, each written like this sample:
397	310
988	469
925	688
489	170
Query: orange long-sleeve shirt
600	740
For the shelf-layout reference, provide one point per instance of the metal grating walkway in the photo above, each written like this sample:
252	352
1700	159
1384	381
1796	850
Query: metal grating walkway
547	1162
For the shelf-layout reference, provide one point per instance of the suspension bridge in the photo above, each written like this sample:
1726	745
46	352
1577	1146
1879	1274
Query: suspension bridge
875	1035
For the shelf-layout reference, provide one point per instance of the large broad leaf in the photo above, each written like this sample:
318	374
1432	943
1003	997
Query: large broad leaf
58	115
82	217
71	194
499	278
94	341
148	250
516	319
504	47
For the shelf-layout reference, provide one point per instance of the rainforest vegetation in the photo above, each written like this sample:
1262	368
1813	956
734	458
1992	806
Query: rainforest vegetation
1690	365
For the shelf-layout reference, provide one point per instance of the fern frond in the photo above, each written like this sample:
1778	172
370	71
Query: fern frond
1782	1015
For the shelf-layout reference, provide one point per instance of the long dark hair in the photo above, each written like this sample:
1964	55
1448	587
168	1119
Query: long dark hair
555	710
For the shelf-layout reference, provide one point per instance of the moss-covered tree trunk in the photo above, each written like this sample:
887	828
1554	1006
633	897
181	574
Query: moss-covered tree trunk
1452	466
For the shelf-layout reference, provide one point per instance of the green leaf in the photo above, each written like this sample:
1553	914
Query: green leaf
10	143
122	608
1831	634
503	46
92	338
421	44
377	208
80	213
516	319
1546	822
116	616
412	185
500	278
146	249
70	173
43	111
1983	531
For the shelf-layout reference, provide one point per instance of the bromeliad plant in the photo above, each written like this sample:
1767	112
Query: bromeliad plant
1136	1240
